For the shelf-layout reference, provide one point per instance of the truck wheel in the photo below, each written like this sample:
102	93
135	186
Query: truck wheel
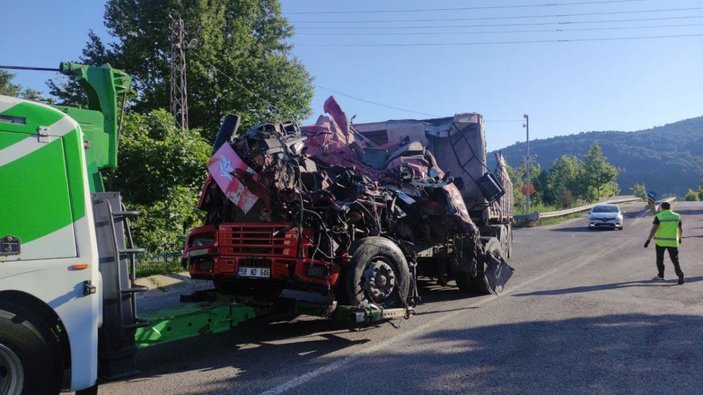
494	247
463	281
27	357
466	283
377	273
509	251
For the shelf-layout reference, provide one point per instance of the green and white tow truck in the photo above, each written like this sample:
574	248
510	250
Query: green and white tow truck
67	289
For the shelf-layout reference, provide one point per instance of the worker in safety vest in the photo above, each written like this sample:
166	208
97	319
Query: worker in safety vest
667	233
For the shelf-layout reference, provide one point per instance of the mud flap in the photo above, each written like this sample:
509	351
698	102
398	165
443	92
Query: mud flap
496	274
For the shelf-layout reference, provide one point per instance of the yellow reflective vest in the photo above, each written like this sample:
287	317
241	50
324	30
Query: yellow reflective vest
668	232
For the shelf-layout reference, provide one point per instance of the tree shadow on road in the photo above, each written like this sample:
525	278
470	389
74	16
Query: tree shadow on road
582	229
602	287
621	353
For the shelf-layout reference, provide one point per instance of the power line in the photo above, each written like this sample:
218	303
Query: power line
215	68
505	42
462	8
235	82
28	68
376	103
585	29
511	24
356	22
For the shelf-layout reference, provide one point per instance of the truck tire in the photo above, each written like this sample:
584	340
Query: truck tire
509	251
477	284
494	247
504	233
28	354
377	273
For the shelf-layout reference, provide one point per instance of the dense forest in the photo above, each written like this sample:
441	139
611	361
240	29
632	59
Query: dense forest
666	159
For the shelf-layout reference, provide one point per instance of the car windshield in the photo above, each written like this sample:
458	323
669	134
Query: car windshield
605	209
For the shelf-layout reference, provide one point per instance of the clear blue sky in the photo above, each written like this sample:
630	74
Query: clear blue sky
566	66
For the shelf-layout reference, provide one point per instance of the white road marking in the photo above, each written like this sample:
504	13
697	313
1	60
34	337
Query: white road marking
639	217
300	380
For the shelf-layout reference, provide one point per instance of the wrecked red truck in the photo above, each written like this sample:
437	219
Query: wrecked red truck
336	213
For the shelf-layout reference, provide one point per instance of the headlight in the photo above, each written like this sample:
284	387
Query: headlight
202	241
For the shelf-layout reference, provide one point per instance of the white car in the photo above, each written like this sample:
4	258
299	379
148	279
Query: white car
605	216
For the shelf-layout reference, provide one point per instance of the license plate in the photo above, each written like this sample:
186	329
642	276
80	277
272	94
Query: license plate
255	272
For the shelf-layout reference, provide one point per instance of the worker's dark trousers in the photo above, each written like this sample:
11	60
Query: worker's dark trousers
673	254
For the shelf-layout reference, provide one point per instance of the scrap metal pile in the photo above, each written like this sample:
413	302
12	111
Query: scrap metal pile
330	178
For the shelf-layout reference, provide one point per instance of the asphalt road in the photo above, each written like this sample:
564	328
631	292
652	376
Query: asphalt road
581	315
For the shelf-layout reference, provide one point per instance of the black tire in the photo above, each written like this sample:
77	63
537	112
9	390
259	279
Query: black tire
27	346
509	252
377	273
494	248
469	284
88	391
504	234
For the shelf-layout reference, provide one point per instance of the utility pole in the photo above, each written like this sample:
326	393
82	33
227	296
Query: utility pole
179	85
527	164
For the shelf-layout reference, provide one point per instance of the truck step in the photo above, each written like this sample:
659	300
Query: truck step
129	214
126	251
134	289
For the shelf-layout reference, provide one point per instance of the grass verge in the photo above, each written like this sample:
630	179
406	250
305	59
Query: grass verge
146	269
550	221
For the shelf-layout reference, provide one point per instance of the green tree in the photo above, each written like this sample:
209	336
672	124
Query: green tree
160	173
6	86
639	190
518	177
599	176
238	59
563	184
692	195
9	89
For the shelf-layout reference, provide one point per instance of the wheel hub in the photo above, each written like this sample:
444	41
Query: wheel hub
11	372
379	280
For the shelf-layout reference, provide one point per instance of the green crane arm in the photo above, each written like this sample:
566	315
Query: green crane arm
103	85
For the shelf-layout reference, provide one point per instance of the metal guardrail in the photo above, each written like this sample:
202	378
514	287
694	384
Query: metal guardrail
536	216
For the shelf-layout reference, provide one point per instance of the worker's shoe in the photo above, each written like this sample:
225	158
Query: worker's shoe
658	278
680	278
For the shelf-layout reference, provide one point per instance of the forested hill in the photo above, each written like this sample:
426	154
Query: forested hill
667	159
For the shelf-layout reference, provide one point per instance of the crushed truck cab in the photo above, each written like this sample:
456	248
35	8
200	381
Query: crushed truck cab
325	213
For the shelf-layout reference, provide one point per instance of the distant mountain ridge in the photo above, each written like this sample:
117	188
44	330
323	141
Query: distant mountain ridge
667	159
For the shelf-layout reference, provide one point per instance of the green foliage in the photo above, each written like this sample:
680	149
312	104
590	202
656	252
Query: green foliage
6	86
692	195
564	182
156	156
9	89
160	173
239	60
568	183
146	268
163	224
639	190
537	179
600	177
667	159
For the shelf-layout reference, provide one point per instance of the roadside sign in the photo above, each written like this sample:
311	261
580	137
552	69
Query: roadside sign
651	194
524	189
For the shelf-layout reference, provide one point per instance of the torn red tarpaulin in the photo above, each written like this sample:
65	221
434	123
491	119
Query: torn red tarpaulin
221	166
